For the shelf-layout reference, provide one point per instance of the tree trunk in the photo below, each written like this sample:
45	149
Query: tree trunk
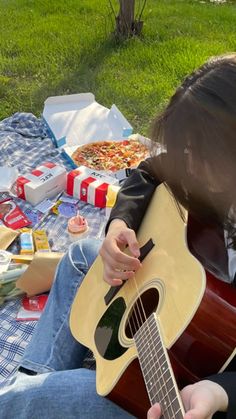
125	21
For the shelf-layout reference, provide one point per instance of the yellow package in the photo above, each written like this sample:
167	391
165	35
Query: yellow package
111	198
41	241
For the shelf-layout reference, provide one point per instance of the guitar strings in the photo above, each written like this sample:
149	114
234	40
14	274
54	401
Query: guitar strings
141	311
139	304
152	346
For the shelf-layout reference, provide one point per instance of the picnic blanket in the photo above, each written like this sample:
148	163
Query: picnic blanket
25	143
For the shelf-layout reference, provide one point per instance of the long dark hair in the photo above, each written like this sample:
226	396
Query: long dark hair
197	132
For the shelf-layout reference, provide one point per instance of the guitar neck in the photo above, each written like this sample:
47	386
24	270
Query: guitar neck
156	369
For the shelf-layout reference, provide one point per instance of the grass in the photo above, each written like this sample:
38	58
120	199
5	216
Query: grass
57	47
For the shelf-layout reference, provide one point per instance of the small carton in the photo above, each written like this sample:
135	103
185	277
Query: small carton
89	185
43	182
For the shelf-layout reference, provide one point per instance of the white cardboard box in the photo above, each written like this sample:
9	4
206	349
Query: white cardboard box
79	119
43	182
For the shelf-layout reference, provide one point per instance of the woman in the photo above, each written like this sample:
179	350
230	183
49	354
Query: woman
197	133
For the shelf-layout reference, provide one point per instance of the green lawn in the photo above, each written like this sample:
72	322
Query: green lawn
61	47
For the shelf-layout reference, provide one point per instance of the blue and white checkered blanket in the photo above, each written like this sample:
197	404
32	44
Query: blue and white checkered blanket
25	143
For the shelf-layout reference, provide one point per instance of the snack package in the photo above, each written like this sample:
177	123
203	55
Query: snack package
32	308
22	258
41	241
12	216
39	276
26	242
7	236
66	206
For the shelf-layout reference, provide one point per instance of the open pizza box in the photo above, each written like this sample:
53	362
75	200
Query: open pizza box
79	119
75	120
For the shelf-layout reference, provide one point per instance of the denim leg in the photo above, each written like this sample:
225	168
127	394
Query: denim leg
57	395
52	347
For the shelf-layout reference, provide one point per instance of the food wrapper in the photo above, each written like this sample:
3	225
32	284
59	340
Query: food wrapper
26	242
41	241
7	236
38	278
8	289
12	216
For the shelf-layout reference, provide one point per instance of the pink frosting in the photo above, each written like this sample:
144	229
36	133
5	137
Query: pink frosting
77	224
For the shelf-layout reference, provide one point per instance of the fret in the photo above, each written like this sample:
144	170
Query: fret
145	344
156	369
172	412
148	362
168	405
153	385
146	349
161	400
161	363
150	350
149	378
153	331
158	381
162	390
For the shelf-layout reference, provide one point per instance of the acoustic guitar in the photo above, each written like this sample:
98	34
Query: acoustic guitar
169	326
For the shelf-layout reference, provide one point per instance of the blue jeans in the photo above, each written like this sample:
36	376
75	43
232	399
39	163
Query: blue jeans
62	388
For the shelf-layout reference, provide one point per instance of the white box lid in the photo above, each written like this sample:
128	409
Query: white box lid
79	119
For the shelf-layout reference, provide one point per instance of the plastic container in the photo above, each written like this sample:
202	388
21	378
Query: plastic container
5	258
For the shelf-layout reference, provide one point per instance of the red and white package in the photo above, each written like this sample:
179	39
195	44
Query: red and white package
43	182
12	216
35	303
32	308
89	185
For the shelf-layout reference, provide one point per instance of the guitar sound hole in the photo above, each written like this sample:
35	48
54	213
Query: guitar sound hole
144	306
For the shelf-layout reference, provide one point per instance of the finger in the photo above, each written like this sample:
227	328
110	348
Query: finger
114	277
119	260
154	412
129	237
114	270
113	282
196	414
123	264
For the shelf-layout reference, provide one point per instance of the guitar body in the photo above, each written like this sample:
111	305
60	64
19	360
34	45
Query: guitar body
198	323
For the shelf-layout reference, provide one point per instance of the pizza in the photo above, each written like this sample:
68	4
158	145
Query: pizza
110	155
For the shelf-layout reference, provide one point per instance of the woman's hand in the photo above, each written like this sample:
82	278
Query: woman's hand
118	265
201	400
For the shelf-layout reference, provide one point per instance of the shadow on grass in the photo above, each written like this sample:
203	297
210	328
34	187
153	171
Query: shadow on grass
80	79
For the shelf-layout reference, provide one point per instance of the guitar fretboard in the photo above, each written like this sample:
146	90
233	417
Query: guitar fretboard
156	369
